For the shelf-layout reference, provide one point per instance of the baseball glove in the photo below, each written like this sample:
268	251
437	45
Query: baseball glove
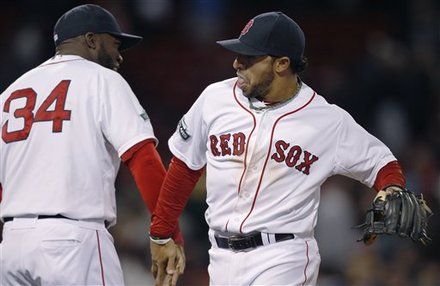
397	211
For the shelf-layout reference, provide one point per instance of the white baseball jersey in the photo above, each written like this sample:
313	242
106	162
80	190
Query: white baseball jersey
64	126
265	165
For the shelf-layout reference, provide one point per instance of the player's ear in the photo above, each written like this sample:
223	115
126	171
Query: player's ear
90	39
282	64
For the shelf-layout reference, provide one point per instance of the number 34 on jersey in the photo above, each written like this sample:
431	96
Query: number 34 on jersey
30	114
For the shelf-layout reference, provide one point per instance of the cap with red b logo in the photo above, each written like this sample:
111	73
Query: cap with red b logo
271	33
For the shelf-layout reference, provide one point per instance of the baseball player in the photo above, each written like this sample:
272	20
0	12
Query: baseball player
267	141
65	127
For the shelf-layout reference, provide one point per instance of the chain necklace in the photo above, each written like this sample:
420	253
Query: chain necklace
258	105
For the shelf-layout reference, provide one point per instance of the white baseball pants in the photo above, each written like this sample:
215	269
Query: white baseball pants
290	262
56	251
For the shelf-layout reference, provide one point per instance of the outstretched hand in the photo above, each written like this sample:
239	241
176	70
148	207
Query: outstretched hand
168	262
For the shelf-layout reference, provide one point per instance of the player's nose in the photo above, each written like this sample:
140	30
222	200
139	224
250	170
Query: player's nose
237	64
120	59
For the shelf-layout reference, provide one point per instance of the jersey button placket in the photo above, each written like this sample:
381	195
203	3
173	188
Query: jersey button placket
250	180
257	150
256	145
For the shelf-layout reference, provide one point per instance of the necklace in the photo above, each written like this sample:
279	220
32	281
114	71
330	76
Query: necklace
260	105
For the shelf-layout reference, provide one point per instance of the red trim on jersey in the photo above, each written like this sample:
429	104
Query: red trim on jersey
268	154
390	174
147	169
100	259
249	137
307	264
176	190
53	63
246	152
1	193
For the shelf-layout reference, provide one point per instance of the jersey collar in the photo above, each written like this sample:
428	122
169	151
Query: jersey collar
302	97
62	58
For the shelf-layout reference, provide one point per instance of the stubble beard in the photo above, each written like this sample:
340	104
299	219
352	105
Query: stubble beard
261	89
105	60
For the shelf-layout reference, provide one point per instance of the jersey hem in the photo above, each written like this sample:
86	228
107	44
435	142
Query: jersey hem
382	163
134	141
181	157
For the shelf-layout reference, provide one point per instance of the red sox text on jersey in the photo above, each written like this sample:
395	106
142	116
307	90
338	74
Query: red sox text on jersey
234	145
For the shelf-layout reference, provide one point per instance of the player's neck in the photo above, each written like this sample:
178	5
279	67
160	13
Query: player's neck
73	51
283	89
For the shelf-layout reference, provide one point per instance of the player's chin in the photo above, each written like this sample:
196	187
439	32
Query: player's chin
248	93
245	89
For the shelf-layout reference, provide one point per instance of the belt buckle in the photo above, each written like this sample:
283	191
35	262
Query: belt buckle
241	243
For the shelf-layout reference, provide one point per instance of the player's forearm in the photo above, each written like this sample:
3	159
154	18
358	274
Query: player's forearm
390	174
176	190
147	170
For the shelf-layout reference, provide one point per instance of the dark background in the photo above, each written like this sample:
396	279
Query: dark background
379	60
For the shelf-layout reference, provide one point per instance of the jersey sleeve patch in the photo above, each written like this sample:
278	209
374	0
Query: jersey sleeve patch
183	129
144	116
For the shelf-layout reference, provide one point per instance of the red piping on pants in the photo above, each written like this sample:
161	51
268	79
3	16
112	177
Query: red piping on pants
100	259
307	264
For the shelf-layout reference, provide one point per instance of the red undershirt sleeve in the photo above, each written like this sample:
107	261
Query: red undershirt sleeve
390	174
176	190
147	169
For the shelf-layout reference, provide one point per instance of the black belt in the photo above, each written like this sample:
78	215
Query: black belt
248	241
6	219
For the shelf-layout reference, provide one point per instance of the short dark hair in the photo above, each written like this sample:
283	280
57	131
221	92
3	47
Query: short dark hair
300	65
295	66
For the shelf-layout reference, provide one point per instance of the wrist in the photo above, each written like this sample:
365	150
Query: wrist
159	240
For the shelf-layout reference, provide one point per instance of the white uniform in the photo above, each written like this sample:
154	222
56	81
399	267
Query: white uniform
64	126
265	166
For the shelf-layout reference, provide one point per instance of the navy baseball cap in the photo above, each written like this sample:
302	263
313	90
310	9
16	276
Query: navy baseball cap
91	18
271	33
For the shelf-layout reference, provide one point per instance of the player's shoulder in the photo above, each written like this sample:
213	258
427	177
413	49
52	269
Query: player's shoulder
217	89
106	72
68	65
100	71
329	110
78	65
17	83
213	94
221	86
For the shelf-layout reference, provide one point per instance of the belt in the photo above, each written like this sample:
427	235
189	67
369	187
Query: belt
6	219
250	241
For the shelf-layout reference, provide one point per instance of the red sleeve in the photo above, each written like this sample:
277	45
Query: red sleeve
390	174
148	171
176	190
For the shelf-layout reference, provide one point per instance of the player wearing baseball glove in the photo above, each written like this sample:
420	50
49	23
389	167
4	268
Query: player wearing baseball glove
396	210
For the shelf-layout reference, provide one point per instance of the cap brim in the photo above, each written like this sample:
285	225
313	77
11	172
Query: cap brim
127	40
235	45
